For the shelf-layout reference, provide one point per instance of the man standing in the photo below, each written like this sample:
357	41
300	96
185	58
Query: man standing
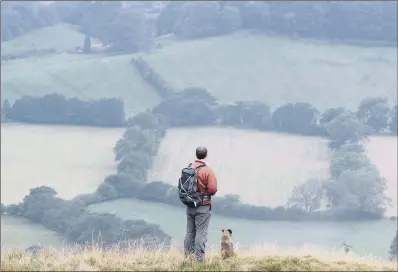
196	186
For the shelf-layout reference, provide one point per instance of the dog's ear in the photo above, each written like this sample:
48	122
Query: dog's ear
230	231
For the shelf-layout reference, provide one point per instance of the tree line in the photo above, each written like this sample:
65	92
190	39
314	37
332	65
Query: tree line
56	109
77	226
132	27
374	115
19	18
344	193
353	21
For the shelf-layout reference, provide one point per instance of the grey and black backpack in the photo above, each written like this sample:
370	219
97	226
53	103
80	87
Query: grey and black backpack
188	187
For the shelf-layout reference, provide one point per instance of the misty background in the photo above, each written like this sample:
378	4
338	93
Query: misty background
103	103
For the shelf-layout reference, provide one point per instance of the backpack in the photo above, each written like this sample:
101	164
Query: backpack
188	187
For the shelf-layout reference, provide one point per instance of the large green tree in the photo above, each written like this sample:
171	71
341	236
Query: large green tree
358	193
346	128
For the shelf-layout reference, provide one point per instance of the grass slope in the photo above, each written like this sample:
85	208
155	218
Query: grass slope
173	260
245	66
73	160
364	237
60	37
87	77
263	168
17	232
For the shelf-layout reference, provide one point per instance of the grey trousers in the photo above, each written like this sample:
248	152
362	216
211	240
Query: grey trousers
196	237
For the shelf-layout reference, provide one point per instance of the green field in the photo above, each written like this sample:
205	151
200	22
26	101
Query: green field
87	77
261	167
21	233
244	66
240	66
60	37
73	160
365	237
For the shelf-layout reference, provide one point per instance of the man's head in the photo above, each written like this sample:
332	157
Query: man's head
201	152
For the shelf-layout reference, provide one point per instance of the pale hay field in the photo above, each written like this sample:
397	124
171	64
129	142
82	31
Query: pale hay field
263	168
73	160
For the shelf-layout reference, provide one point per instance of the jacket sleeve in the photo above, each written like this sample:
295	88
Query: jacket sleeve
211	183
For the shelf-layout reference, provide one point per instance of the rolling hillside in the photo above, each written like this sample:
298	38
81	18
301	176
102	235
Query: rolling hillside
87	77
240	66
60	37
244	66
269	164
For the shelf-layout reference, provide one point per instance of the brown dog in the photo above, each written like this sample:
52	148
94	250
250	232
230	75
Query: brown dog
227	247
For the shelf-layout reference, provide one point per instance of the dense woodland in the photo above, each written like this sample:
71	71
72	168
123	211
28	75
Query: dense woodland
354	189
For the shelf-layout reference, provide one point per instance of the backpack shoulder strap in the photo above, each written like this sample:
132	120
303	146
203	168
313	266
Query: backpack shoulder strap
200	166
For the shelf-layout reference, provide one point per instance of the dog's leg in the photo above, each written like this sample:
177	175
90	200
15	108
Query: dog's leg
223	254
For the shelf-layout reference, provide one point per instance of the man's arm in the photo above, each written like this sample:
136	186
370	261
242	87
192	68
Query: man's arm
211	182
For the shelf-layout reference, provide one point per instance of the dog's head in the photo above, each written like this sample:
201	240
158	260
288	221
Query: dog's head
226	233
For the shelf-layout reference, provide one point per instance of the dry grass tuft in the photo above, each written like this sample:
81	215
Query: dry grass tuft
139	259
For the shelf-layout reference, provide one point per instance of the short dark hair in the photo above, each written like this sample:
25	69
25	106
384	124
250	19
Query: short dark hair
201	152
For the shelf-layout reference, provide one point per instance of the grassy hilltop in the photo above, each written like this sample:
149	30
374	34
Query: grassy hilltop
172	260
